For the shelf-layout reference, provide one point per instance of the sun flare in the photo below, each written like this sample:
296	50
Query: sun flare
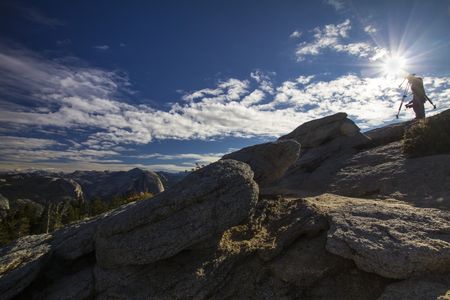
394	66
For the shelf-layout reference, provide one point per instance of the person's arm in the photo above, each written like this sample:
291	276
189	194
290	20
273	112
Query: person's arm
409	104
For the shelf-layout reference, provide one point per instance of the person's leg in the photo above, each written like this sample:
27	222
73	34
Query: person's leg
422	111
419	108
416	110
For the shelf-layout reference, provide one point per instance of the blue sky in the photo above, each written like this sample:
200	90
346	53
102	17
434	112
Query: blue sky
163	85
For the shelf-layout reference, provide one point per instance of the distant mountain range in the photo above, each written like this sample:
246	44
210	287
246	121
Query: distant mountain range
39	202
43	187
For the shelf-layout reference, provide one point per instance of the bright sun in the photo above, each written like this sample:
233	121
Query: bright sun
394	66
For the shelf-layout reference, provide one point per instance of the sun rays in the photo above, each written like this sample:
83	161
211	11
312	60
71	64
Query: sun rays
394	66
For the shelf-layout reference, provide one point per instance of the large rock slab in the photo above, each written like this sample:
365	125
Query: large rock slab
326	143
268	161
389	238
76	240
190	274
419	289
317	132
385	172
307	261
202	205
72	287
316	167
283	221
387	134
20	263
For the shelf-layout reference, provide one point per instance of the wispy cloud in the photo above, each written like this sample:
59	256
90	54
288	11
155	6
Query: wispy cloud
304	79
327	37
22	153
204	158
16	143
264	80
338	5
27	75
333	37
34	15
228	90
24	149
64	42
89	166
164	162
101	47
370	29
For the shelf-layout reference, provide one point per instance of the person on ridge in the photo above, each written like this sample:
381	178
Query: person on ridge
419	96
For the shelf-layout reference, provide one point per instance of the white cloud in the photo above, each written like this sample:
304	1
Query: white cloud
26	75
264	80
325	37
360	49
305	79
202	93
254	97
333	37
68	154
229	90
295	35
235	88
370	29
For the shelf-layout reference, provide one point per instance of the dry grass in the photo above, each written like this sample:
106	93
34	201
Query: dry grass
241	238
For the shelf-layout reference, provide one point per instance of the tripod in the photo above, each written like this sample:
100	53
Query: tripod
405	94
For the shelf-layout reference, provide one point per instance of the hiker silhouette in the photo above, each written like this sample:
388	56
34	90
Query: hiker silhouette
419	96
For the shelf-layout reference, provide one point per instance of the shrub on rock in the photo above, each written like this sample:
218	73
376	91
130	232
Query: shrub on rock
428	137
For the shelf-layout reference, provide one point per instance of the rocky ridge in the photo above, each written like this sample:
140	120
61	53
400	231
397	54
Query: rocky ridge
262	225
107	185
42	187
